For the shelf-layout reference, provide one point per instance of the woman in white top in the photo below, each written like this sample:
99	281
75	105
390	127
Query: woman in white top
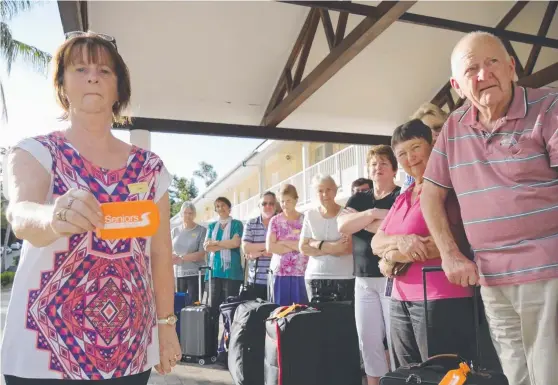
330	267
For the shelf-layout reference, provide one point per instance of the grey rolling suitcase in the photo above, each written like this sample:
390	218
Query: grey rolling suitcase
198	328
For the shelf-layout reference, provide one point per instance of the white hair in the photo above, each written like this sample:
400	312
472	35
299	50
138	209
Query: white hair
474	36
318	179
187	205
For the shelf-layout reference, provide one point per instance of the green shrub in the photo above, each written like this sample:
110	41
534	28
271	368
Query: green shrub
6	278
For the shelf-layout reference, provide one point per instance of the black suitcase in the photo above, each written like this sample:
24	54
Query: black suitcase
247	342
227	312
198	329
341	354
293	343
433	370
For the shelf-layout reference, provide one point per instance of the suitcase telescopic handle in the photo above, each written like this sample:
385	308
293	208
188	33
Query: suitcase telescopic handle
476	316
200	270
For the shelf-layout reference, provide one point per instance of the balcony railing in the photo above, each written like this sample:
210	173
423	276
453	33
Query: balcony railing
344	166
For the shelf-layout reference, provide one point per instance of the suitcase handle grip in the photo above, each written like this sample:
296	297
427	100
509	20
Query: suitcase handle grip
435	360
200	270
476	316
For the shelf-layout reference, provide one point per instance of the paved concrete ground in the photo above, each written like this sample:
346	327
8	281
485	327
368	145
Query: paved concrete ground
192	374
183	374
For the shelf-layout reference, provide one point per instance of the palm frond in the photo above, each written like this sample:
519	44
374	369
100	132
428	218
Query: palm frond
10	8
12	50
3	101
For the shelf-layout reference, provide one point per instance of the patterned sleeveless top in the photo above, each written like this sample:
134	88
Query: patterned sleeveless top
83	308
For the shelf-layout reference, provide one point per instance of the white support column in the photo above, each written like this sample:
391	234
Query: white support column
141	139
360	153
261	170
305	165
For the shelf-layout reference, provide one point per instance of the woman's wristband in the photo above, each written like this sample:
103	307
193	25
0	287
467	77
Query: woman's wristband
320	245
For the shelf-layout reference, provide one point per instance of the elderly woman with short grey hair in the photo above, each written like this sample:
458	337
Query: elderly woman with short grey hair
188	252
330	267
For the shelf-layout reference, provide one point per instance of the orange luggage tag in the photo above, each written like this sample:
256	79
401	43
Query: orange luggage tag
130	219
456	376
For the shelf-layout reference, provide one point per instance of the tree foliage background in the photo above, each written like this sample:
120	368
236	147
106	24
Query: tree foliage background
181	190
207	173
12	50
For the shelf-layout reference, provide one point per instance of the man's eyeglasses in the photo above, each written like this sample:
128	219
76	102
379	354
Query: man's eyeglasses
268	204
108	38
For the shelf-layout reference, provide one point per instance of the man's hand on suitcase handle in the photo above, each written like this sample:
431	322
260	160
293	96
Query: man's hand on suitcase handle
459	269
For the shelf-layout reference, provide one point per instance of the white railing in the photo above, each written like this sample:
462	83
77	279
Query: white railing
344	166
246	209
296	180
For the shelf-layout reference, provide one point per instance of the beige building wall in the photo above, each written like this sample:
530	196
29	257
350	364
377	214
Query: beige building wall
284	163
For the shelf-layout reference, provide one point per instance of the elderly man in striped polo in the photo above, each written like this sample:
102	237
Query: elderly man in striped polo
499	152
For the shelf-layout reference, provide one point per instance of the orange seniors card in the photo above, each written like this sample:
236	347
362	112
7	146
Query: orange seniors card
129	219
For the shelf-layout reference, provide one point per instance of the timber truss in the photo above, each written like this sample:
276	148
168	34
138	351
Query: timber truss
292	90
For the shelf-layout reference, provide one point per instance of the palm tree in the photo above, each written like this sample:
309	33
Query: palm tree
12	50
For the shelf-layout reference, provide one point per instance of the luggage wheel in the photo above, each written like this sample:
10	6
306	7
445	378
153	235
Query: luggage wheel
201	361
214	359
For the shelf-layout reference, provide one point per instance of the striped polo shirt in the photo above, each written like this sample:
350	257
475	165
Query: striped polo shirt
506	182
255	232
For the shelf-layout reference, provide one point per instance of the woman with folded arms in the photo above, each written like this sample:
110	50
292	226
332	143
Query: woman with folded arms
288	264
405	246
189	255
330	265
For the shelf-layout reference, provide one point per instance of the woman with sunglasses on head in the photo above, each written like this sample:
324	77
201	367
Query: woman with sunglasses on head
253	245
86	308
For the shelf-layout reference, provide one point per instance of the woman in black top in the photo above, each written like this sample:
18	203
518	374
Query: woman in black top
362	217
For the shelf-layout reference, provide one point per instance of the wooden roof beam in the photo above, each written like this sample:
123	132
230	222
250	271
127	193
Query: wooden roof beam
431	21
363	34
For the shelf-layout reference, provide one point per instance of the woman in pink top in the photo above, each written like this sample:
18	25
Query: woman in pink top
404	237
288	264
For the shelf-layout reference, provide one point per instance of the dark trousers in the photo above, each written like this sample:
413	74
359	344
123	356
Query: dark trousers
189	285
450	329
221	289
136	379
260	290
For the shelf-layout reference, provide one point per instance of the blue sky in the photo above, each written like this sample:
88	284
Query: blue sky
32	109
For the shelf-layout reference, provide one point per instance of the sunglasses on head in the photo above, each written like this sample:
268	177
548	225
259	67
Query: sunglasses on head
108	38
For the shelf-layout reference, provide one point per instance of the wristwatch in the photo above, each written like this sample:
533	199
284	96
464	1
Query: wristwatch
170	320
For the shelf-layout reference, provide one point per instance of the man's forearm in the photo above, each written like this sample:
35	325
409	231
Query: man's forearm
31	221
253	248
432	203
